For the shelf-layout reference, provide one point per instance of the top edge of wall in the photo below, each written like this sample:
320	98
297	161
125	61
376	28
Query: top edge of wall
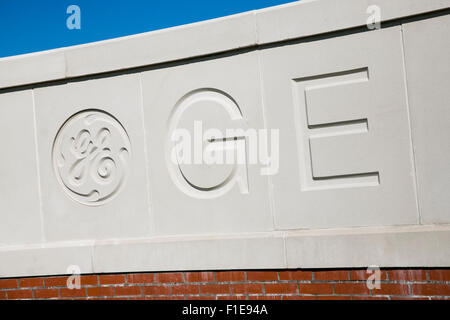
290	21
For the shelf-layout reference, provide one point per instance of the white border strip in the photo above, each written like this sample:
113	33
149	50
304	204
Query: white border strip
415	246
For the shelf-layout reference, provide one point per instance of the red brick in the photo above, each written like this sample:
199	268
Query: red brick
171	277
364	275
262	276
199	276
296	297
409	298
351	288
201	298
112	279
185	289
430	289
170	298
296	275
231	297
242	288
332	297
399	289
20	294
86	280
127	291
439	274
100	291
156	290
56	282
8	283
137	298
369	298
331	275
46	293
245	290
230	276
31	282
89	280
275	297
73	293
407	275
281	288
215	288
140	278
315	288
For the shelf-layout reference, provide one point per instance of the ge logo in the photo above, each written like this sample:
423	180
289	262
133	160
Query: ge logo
206	148
91	156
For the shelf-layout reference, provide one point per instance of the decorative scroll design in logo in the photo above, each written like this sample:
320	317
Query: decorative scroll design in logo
91	156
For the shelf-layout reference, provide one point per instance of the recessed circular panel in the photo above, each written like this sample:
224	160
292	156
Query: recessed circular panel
91	156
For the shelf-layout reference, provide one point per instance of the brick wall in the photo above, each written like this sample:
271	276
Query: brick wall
271	284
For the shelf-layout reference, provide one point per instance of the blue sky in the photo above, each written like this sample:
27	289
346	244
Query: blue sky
35	25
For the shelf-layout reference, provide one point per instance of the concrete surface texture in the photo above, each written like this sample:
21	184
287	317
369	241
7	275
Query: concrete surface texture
299	136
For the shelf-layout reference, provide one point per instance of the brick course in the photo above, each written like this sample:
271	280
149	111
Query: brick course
396	284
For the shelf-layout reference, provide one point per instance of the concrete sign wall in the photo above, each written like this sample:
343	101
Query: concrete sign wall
305	135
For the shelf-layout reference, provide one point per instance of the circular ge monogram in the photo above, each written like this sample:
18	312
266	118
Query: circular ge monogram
91	156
